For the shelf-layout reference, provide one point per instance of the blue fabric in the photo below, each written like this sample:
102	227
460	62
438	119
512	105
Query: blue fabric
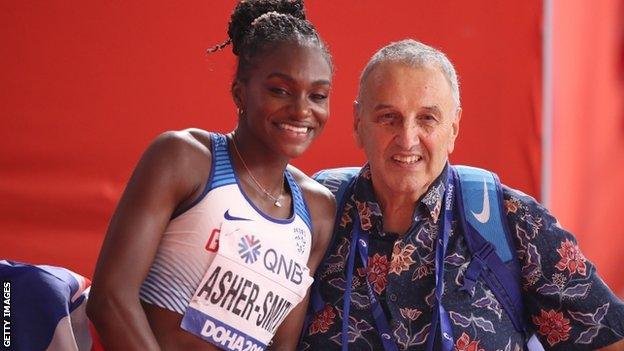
488	242
40	298
472	183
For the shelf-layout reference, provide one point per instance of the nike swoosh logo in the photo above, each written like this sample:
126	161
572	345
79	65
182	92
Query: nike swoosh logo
484	216
229	217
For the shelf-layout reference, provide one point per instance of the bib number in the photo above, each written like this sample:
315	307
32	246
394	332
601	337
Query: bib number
248	290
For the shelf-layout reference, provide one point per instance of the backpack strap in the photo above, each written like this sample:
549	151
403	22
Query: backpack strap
480	192
494	259
338	181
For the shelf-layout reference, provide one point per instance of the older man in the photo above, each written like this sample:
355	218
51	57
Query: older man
399	274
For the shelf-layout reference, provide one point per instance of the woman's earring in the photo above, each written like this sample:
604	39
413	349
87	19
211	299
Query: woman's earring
240	112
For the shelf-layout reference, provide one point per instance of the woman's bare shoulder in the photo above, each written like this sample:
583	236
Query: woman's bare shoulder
187	140
310	187
320	200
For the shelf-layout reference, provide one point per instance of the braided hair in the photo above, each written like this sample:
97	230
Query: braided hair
257	26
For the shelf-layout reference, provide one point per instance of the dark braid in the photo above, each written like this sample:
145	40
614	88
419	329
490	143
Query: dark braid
259	25
219	46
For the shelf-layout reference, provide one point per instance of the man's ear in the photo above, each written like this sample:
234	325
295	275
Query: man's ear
238	93
455	130
356	123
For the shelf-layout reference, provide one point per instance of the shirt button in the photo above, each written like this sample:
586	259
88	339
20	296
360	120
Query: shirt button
385	336
446	336
393	297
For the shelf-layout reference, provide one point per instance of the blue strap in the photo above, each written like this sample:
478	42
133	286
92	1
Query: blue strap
482	208
476	266
346	302
440	318
339	181
488	241
504	285
381	320
359	240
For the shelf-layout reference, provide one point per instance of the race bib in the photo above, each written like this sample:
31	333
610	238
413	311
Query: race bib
250	287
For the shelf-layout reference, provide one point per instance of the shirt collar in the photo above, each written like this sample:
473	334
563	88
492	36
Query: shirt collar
429	205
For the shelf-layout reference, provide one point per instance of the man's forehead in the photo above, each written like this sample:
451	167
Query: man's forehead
398	70
399	80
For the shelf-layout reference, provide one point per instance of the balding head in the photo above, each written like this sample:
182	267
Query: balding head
417	55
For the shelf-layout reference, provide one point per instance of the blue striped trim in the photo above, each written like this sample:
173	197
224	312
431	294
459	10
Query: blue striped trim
189	270
222	172
162	293
156	289
301	207
165	273
216	165
152	292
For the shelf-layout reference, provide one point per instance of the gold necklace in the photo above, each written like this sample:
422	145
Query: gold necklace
276	199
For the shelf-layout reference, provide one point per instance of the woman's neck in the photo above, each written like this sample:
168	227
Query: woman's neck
254	160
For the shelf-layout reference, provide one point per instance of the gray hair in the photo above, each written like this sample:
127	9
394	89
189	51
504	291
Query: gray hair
416	54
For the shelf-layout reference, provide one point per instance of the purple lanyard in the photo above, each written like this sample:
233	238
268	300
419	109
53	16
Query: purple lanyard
360	240
440	318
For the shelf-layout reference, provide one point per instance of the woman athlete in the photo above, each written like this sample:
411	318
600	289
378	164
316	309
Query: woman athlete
215	233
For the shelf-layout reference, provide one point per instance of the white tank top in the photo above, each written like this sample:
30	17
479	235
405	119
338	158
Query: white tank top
191	239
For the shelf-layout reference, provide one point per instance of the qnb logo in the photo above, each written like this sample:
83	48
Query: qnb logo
249	248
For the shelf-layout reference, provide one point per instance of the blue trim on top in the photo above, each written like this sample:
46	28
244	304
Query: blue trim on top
504	220
222	164
213	141
222	174
299	200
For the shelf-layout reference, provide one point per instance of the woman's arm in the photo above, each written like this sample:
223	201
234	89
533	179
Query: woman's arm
322	207
166	176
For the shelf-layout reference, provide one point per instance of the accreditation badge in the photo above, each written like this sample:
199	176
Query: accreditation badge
251	285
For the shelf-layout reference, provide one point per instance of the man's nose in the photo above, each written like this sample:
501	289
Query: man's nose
408	135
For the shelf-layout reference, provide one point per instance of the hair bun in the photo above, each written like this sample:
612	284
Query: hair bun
247	11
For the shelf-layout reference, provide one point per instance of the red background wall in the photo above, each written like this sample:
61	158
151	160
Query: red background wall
588	129
86	86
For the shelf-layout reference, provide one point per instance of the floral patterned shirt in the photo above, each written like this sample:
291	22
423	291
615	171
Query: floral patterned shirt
567	305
